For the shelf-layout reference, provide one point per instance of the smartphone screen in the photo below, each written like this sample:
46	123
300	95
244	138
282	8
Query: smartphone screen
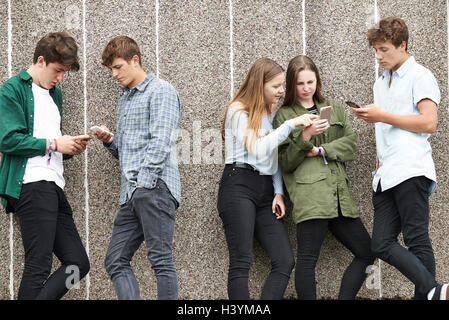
325	113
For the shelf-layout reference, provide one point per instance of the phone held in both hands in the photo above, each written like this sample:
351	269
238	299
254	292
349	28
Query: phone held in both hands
325	113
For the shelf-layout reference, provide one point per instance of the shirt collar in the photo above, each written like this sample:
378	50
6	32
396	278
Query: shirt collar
143	84
402	69
25	76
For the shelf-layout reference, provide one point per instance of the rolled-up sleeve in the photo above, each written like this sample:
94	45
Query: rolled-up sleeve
426	87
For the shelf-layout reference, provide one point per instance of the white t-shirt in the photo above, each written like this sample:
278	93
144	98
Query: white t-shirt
47	122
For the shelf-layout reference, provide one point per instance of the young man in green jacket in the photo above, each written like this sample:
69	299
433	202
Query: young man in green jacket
31	169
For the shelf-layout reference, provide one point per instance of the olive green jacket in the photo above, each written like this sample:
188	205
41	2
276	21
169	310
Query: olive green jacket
316	188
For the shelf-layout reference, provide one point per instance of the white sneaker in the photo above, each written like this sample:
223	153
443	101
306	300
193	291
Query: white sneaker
444	295
441	292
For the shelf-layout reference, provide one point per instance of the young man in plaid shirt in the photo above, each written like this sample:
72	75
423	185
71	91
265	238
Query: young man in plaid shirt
147	123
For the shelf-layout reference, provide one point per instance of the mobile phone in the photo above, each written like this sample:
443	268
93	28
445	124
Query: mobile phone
352	104
278	209
84	138
97	128
325	113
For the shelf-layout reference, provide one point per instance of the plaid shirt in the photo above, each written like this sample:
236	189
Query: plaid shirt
145	142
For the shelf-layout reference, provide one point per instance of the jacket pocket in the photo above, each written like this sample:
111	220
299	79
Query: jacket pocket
336	130
311	177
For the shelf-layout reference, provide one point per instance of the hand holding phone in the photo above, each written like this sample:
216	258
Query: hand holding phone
318	126
100	129
278	210
278	206
71	145
103	134
353	105
83	137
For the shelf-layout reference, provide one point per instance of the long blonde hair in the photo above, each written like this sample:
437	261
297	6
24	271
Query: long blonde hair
250	97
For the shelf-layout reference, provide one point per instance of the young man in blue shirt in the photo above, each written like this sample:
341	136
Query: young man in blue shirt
147	123
405	114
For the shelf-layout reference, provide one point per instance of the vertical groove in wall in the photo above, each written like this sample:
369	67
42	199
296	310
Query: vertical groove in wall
376	75
86	183
11	230
304	27
157	37
231	49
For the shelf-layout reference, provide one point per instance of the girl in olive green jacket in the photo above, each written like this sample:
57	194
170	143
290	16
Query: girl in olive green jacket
312	161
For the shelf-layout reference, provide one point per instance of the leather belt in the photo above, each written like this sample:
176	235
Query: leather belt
243	165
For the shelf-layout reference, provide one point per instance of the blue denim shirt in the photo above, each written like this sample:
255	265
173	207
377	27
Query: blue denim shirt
404	154
145	142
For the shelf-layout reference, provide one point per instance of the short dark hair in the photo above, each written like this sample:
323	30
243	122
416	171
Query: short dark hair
58	47
120	47
391	28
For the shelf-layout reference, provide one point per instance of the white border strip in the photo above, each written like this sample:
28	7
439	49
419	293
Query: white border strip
86	165
231	49
157	37
11	227
304	27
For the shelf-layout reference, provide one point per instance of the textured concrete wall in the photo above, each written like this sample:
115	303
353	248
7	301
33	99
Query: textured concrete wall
204	49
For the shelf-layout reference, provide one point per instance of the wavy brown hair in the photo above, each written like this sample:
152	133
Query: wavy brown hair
120	47
295	66
250	97
391	28
58	47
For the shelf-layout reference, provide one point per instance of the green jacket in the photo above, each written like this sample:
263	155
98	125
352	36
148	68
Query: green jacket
314	187
17	143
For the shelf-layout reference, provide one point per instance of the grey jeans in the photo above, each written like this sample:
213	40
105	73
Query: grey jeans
149	215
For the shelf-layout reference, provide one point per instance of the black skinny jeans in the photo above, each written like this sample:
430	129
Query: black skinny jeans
405	208
244	203
47	226
352	234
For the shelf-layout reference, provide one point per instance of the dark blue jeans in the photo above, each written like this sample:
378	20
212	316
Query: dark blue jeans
149	215
405	208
